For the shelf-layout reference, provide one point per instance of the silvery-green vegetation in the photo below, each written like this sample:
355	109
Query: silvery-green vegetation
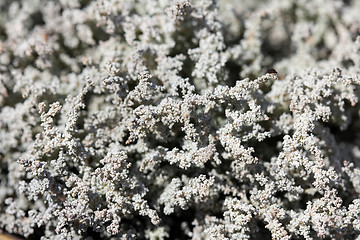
148	119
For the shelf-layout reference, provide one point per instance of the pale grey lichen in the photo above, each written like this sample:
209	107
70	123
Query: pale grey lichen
159	120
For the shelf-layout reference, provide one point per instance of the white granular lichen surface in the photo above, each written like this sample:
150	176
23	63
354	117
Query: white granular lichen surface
179	119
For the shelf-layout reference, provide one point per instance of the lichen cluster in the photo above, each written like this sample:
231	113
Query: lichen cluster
148	119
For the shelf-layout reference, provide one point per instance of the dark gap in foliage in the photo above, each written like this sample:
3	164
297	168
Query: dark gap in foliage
348	2
267	148
347	135
347	63
234	73
58	67
175	220
89	95
84	3
12	98
126	137
71	52
183	42
262	232
52	154
36	18
173	139
323	52
91	233
276	51
73	170
187	69
3	34
347	195
280	194
98	33
307	197
4	166
38	233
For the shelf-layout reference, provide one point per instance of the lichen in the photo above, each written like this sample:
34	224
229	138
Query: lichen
180	119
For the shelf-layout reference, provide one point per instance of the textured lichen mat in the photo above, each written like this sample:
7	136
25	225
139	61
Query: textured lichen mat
180	119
